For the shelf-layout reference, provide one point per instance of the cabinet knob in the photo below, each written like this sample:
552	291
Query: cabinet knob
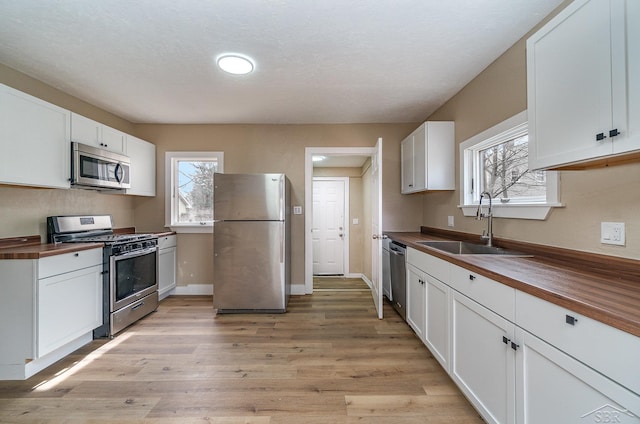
614	132
505	340
600	136
472	277
76	254
570	320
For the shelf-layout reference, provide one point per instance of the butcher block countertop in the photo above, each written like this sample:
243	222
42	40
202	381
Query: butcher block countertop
30	247
604	288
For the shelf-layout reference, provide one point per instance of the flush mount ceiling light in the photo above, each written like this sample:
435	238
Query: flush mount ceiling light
235	64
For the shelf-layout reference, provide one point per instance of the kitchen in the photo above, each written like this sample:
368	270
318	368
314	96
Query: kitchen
496	94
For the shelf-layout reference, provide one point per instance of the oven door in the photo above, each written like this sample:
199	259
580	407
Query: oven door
133	276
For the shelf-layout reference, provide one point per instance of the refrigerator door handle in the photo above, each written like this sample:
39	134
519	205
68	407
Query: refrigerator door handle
282	235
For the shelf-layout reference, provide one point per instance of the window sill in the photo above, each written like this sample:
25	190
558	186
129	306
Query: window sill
517	211
192	229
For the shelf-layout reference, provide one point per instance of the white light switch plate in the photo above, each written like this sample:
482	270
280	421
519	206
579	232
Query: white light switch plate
297	210
612	233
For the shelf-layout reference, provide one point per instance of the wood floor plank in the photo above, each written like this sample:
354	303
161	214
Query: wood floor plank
327	360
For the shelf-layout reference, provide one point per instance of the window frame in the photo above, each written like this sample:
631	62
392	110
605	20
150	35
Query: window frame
171	160
508	129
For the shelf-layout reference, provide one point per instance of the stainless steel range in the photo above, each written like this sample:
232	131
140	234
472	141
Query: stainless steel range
130	267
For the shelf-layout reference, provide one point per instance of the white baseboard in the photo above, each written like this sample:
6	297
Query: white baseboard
194	289
366	280
298	289
207	289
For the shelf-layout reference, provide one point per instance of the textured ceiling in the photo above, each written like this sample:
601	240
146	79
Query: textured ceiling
317	61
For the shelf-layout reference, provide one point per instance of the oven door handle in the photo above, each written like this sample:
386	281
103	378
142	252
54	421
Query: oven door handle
136	253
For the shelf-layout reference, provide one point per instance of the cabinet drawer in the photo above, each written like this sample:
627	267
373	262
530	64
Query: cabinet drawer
491	294
431	265
608	350
59	264
167	241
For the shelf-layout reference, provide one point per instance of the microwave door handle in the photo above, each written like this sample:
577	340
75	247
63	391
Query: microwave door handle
118	173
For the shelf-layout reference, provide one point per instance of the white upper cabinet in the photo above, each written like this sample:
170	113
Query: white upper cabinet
143	166
92	133
428	158
583	84
34	141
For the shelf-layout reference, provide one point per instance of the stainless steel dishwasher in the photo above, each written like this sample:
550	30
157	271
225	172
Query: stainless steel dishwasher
398	277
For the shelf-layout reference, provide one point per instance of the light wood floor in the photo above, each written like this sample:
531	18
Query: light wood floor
338	283
327	360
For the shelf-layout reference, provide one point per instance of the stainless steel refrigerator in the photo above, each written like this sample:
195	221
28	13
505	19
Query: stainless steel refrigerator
251	243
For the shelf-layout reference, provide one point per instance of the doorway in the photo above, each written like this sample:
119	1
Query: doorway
330	230
339	153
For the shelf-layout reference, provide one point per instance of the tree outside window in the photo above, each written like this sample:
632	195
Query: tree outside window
505	171
189	195
195	191
496	160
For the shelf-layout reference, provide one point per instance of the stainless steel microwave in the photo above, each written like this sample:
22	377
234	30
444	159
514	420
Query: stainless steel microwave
98	169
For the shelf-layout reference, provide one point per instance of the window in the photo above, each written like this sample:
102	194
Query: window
189	190
497	161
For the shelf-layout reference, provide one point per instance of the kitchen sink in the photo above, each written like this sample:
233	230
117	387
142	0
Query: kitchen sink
466	248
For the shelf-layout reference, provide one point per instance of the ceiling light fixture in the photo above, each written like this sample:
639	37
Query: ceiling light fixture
235	64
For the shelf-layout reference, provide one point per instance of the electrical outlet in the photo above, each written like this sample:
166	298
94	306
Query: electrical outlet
450	221
612	233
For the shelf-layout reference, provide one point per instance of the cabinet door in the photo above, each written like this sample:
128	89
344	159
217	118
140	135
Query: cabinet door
406	153
85	130
555	388
482	359
34	141
436	331
569	86
420	158
166	271
113	140
69	306
93	133
416	300
630	139
440	156
143	167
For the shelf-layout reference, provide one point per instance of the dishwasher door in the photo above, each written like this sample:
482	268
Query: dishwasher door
398	278
386	269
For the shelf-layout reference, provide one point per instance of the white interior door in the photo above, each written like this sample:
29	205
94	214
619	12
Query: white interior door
328	231
376	230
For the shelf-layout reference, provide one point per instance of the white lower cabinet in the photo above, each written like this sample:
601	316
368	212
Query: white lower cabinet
437	329
48	309
482	360
167	258
553	387
518	358
416	300
428	303
69	305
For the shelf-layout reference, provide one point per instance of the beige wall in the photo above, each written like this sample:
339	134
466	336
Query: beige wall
272	148
591	196
23	211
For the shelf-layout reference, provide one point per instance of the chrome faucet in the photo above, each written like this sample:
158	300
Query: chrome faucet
488	233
